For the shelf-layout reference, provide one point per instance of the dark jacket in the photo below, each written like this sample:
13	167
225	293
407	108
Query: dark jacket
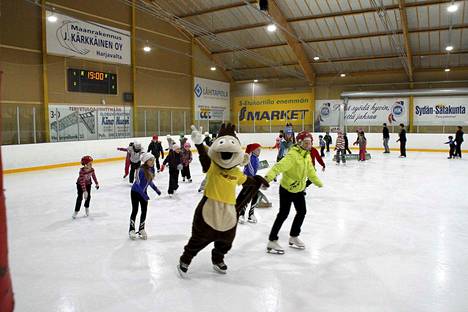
328	139
156	149
346	142
402	135
459	136
386	133
173	159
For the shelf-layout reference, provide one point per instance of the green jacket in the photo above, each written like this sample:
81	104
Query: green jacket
296	167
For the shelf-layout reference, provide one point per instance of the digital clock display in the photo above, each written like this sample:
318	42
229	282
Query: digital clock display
80	80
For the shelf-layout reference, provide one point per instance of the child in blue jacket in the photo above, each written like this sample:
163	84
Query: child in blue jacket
139	196
251	170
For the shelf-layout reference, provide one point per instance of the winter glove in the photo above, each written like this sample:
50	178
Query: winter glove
180	167
162	168
97	186
85	195
197	136
308	182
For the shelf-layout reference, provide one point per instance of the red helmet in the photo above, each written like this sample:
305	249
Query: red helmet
86	160
155	137
303	135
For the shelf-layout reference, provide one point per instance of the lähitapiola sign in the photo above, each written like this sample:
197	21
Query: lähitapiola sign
69	36
447	110
212	99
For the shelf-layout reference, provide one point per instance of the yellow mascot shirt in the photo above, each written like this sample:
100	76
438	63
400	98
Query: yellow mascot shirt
221	183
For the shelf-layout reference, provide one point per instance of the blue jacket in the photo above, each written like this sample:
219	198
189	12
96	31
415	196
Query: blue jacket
141	184
251	169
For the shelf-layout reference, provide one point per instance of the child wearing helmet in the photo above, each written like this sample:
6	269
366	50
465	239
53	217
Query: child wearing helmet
83	185
186	158
297	173
139	195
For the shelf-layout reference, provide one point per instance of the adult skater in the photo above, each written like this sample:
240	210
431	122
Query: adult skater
328	140
156	149
459	141
215	218
83	185
139	195
386	138
402	140
297	173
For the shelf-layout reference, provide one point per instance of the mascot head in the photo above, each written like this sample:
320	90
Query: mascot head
226	150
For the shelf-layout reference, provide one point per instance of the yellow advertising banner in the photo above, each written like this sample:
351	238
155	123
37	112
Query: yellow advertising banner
279	108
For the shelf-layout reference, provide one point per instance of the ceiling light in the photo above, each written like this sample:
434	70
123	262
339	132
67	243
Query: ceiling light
449	48
316	58
256	80
271	28
52	18
447	70
342	75
147	49
452	8
213	68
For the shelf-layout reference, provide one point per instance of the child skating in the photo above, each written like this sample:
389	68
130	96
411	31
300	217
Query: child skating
83	185
155	148
139	195
362	142
253	150
452	146
340	148
134	153
174	161
186	156
322	145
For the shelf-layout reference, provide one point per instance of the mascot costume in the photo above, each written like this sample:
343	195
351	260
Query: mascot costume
216	215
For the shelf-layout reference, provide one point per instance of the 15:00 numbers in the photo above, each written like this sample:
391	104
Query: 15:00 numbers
95	75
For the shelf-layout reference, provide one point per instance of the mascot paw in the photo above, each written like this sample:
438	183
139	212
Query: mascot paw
197	136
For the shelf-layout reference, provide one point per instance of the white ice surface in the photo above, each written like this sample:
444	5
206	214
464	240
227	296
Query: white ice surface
386	235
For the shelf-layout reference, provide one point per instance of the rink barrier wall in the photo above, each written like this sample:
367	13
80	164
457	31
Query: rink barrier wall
43	156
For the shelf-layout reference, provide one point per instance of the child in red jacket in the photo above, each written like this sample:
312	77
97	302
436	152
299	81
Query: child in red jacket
315	155
83	185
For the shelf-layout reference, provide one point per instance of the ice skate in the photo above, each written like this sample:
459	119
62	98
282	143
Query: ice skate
295	242
220	267
142	234
189	180
87	211
132	234
171	195
182	268
252	219
75	213
241	219
183	179
275	248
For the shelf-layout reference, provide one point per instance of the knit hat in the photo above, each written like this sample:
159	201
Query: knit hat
187	145
303	135
155	137
86	160
145	157
252	147
175	146
136	146
288	130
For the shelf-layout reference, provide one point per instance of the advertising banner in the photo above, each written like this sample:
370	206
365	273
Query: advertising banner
212	99
364	112
447	110
277	108
69	36
80	123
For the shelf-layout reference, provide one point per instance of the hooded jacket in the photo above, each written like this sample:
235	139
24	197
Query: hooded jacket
296	168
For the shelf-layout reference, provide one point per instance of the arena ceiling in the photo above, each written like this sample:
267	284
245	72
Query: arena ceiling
343	36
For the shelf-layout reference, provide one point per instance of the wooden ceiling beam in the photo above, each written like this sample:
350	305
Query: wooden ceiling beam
293	43
408	51
351	37
218	8
358	59
328	15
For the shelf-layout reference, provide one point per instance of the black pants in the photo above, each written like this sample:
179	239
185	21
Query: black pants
203	235
452	152
186	172
286	199
322	148
173	180
458	149
133	168
328	147
340	156
138	200
253	205
347	149
79	199
403	148
158	165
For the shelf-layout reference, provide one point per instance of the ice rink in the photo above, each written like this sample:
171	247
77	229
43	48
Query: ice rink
389	234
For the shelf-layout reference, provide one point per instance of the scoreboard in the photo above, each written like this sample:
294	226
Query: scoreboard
81	80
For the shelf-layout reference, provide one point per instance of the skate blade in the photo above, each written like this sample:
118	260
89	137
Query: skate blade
182	273
275	252
218	270
251	221
296	247
143	237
